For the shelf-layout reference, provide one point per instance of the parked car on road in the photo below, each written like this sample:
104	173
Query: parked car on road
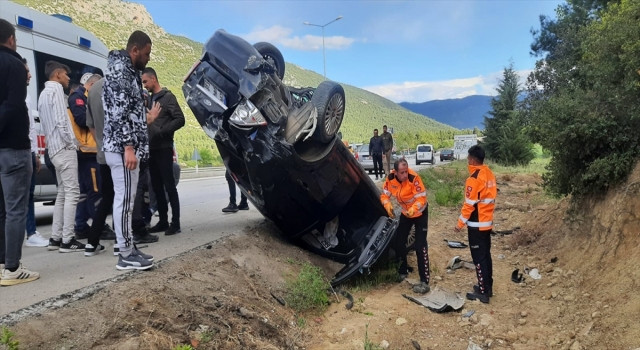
280	145
366	161
446	154
425	153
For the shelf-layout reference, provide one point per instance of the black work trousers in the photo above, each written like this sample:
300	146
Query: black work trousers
162	180
480	244
232	190
422	249
104	207
377	164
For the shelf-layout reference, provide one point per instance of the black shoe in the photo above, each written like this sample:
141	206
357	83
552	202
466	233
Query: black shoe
243	206
84	234
144	238
54	244
107	233
172	230
72	246
482	297
476	289
159	227
231	208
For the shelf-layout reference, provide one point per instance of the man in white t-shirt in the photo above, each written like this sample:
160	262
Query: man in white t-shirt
34	238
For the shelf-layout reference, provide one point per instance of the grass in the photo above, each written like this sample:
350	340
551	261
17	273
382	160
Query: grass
308	291
444	185
6	340
537	166
368	344
183	347
383	272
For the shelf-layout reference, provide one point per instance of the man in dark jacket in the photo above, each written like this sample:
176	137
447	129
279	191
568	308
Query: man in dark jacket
15	159
387	141
376	148
170	120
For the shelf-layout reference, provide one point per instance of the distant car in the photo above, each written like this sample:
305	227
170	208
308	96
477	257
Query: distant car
446	154
424	153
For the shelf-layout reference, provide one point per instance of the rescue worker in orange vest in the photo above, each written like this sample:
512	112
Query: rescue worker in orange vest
477	215
406	185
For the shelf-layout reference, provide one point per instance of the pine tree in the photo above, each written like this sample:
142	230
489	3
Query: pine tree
505	140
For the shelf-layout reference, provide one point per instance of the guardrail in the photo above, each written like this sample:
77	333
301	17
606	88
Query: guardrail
202	169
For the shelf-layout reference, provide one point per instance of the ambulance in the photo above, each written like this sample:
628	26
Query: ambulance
42	38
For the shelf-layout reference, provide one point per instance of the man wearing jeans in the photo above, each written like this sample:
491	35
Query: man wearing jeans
34	238
61	144
125	140
170	120
15	159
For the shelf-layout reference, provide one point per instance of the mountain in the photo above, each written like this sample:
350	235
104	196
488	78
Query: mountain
113	21
461	113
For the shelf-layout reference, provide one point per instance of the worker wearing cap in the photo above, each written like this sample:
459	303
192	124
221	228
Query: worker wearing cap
406	185
88	168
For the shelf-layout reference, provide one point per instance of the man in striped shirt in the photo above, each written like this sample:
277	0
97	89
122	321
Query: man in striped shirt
61	145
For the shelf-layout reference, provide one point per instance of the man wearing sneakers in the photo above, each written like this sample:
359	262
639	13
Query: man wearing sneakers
125	140
34	238
233	207
62	146
170	120
15	159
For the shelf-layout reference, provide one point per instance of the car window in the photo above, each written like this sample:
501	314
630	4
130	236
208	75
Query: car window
77	69
424	148
446	151
363	148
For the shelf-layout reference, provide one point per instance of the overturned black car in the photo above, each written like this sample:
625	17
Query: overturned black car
280	145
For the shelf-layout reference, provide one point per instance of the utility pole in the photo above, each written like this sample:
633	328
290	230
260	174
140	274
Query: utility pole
324	57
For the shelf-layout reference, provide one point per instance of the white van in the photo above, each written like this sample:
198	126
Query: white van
424	153
42	38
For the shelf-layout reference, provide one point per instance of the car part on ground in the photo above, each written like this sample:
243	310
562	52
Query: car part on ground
281	147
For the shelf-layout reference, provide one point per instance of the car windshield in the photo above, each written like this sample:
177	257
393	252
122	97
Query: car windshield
424	148
446	151
363	148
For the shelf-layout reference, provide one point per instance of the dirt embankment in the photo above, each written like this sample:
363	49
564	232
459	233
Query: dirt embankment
221	298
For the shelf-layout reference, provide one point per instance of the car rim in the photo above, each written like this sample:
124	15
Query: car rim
333	114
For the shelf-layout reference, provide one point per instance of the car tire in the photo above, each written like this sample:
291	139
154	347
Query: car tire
417	163
273	55
329	100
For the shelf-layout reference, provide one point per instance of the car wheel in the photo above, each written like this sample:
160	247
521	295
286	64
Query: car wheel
273	56
417	163
330	102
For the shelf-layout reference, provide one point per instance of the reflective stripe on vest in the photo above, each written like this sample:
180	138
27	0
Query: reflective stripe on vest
479	224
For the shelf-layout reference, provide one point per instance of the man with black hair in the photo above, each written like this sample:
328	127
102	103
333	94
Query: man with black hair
477	214
387	142
170	120
406	186
15	159
126	140
62	147
376	148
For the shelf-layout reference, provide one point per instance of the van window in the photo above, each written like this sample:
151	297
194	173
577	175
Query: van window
77	70
424	148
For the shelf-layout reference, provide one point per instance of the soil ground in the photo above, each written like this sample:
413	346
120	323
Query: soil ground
221	297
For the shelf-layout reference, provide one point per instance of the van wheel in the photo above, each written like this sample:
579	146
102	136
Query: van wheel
330	102
417	163
272	55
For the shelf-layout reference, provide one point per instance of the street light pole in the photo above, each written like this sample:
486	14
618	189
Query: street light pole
324	57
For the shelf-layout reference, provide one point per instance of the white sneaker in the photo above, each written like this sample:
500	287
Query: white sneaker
36	240
21	275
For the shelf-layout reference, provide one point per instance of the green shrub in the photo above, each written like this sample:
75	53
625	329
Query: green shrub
308	290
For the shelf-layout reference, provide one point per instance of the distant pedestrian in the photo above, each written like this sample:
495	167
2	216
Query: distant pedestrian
170	120
387	143
477	214
126	140
15	159
232	207
62	146
376	148
34	238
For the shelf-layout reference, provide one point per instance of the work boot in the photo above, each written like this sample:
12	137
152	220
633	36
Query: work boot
421	288
482	297
159	227
243	206
231	208
476	289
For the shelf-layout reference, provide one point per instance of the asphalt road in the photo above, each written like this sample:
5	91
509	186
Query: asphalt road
202	222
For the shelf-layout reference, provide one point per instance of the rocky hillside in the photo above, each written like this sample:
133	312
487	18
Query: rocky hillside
113	20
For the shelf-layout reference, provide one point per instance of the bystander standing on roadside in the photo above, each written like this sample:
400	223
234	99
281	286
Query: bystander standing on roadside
376	148
15	160
387	143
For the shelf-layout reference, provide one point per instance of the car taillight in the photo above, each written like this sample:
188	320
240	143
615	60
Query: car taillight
357	156
193	68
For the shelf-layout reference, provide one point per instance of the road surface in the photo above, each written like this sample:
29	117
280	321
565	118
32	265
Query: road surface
202	222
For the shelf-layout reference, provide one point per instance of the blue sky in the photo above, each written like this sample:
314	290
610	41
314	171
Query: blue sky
406	51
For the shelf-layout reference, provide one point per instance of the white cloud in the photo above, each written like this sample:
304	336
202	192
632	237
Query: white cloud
283	36
421	91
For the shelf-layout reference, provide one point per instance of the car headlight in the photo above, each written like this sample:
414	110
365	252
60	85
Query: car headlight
246	114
